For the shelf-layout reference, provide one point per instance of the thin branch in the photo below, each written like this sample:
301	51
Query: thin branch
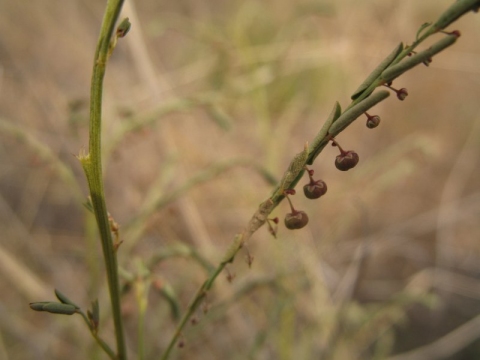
92	165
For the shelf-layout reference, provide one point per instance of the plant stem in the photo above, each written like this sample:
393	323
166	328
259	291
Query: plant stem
194	303
99	340
141	289
257	220
92	166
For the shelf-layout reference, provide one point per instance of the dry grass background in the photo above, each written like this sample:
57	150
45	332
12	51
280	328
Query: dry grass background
390	259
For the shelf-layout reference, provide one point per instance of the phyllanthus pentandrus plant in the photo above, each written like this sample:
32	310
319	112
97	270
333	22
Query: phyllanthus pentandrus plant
383	75
401	59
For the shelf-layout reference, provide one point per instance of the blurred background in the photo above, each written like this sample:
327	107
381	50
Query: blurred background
205	103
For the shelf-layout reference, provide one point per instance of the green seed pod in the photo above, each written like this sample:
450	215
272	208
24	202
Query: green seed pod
59	308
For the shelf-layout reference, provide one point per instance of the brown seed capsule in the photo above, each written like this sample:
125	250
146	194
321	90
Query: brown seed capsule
402	94
315	190
373	121
346	160
296	220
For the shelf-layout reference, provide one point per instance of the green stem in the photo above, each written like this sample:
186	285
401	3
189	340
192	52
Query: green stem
194	303
99	340
92	165
141	289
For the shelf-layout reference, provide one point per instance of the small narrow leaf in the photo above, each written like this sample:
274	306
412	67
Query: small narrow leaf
63	299
376	73
38	306
352	114
398	69
320	140
59	308
456	10
423	27
88	205
94	314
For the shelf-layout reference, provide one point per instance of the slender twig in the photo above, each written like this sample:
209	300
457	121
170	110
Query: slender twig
92	166
196	301
142	285
98	339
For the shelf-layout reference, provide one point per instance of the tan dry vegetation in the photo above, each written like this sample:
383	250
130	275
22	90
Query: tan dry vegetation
390	259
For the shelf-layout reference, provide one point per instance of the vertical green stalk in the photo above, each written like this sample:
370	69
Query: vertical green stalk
141	290
92	165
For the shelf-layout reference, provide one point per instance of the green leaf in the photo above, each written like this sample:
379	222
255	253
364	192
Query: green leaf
320	140
94	314
59	308
63	299
88	205
376	73
423	27
457	9
38	306
352	114
398	69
